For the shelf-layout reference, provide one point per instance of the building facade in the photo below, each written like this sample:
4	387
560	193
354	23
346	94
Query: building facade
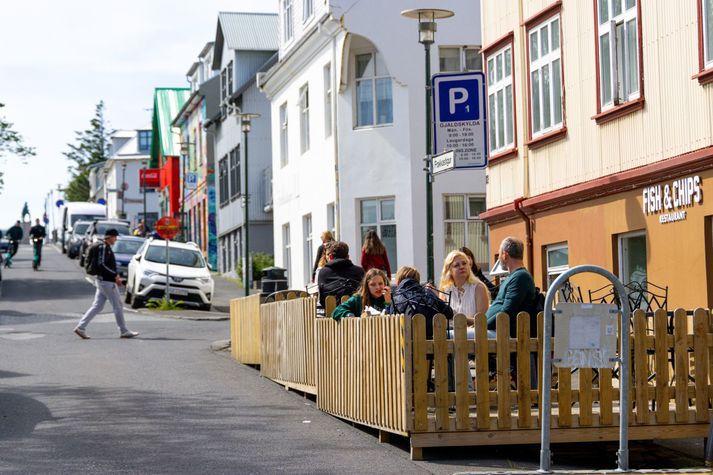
600	117
244	44
348	120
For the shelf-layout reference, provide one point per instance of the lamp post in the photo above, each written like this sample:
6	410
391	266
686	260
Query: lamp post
245	125
426	36
144	163
123	190
185	150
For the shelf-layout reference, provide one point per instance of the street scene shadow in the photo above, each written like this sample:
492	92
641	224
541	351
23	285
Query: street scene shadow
11	374
50	289
20	414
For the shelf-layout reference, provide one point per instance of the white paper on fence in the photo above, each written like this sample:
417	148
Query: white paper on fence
585	335
369	310
584	332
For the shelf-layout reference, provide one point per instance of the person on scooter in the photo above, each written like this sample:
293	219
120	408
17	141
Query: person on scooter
14	235
37	236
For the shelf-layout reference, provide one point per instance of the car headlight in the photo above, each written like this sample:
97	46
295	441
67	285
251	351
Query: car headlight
205	280
150	273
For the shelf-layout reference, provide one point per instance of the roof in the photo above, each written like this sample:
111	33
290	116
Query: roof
246	32
167	102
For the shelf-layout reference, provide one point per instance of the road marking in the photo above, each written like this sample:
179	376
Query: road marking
22	336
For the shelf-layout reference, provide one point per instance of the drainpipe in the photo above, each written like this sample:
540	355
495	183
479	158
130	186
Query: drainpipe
528	233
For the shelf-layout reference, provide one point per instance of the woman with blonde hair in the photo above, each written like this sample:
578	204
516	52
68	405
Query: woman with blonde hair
469	295
373	254
374	292
321	258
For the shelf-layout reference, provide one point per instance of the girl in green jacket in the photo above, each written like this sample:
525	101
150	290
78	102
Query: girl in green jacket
373	292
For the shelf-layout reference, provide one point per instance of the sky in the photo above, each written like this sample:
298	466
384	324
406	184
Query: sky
58	59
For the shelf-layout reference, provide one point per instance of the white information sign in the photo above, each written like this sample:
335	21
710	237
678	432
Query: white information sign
191	181
444	162
459	117
585	335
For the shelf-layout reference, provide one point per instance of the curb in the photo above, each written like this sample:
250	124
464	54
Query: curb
220	345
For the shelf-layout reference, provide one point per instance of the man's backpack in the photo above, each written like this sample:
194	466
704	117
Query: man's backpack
91	263
538	304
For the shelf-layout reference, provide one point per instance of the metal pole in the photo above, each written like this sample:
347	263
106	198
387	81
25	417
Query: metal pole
429	184
625	316
123	190
183	200
167	295
247	221
143	189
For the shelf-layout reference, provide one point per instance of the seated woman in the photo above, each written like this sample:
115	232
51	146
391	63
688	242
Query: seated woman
373	292
468	294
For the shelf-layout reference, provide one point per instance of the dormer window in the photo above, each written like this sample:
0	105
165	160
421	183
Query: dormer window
374	102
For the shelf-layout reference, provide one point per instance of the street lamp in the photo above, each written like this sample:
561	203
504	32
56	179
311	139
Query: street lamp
123	190
144	164
426	36
245	125
185	150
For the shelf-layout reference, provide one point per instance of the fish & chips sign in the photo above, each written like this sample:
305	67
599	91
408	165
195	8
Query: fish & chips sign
667	200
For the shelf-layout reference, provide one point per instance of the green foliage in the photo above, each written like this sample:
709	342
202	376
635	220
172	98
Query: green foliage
90	148
164	304
261	260
12	143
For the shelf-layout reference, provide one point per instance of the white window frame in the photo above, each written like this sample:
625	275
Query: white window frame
374	100
620	245
497	90
707	30
332	218
288	29
555	271
308	246
469	217
287	251
548	64
304	118
626	16
307	10
284	150
462	52
378	224
327	79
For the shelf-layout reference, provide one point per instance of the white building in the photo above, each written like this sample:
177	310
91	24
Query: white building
128	154
348	108
244	45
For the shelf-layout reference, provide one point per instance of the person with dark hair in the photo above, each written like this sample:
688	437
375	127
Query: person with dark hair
478	272
339	277
373	254
321	259
374	292
101	260
15	235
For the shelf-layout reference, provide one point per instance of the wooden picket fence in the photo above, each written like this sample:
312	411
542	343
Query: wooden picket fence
288	349
245	329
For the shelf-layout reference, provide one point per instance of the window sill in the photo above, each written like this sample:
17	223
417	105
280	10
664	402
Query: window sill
619	111
370	127
502	156
547	138
704	77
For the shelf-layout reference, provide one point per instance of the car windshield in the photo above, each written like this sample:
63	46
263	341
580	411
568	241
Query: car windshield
84	217
126	247
122	228
178	257
81	228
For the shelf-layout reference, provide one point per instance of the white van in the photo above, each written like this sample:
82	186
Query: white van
75	211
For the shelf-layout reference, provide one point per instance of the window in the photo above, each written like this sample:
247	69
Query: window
557	261
619	42
223	181
287	251
307	9
230	78
144	140
463	227
327	75
632	257
284	157
287	25
308	250
706	20
226	86
374	103
501	134
545	77
379	214
459	58
304	118
331	219
235	189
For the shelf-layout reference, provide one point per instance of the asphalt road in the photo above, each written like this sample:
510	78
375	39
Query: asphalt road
165	403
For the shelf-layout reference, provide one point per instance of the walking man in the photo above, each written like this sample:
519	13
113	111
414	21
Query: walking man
102	264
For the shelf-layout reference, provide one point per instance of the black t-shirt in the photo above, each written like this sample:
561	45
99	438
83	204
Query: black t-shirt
38	231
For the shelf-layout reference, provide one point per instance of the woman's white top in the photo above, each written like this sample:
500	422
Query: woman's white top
463	301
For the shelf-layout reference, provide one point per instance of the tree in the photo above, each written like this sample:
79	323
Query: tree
90	148
11	143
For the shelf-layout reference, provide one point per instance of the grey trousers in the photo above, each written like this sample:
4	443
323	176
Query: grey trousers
105	291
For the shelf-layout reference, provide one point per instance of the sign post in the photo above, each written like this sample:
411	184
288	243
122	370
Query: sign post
459	118
167	227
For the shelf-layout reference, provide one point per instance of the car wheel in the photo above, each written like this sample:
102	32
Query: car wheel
205	307
127	296
136	301
81	261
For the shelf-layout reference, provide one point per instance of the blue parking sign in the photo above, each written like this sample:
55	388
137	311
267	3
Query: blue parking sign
459	118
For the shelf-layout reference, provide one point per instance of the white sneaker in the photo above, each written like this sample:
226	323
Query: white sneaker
129	334
81	333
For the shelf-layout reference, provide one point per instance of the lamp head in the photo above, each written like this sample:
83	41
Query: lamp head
246	120
427	22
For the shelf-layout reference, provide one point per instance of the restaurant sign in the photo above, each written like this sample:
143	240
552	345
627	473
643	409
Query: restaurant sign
669	200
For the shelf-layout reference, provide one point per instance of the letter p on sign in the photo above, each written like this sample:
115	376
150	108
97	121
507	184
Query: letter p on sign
458	100
456	95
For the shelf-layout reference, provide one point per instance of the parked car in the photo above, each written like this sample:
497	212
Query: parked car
190	279
124	249
96	231
76	237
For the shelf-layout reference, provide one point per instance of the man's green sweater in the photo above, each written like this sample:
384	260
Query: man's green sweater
516	294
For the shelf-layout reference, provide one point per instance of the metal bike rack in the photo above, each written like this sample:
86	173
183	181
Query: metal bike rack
625	315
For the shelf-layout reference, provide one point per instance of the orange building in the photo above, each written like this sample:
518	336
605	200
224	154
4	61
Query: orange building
601	139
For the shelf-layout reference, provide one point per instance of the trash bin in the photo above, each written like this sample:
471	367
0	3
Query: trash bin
273	279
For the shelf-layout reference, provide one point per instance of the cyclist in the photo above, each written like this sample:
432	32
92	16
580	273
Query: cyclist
37	236
14	235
